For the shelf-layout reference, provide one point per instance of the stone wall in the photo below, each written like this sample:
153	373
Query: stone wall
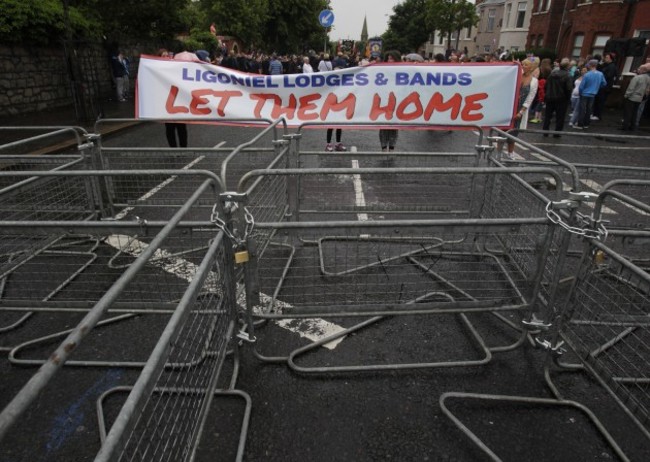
32	80
37	79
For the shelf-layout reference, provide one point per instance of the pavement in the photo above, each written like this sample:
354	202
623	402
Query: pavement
66	117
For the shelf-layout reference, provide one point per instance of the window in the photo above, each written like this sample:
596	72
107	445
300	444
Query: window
521	14
547	4
599	44
577	46
507	19
638	60
540	41
491	17
514	49
486	48
441	37
469	33
540	5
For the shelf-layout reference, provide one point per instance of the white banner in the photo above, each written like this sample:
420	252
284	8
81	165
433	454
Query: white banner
400	93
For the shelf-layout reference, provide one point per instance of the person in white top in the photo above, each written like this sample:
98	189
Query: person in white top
325	64
306	67
527	92
575	98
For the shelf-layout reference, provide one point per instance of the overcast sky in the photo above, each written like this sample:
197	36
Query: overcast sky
348	17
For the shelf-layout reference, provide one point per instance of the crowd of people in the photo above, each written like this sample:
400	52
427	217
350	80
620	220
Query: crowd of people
548	90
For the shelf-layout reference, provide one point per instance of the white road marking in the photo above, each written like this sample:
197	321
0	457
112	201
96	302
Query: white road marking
314	329
597	187
359	198
124	212
539	156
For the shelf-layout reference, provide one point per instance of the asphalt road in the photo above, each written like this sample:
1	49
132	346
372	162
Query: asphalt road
300	414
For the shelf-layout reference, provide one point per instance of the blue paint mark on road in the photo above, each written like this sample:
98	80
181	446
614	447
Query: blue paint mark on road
66	423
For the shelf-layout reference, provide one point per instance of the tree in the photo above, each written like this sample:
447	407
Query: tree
292	25
407	28
448	16
244	19
42	22
158	19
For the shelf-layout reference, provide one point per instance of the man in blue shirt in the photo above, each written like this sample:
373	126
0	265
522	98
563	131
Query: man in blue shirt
275	66
591	84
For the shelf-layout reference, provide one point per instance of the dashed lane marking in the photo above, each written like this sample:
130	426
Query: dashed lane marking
359	197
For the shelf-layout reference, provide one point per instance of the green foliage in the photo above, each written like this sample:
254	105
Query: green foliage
407	29
518	55
41	22
448	16
244	19
157	19
292	25
282	25
201	39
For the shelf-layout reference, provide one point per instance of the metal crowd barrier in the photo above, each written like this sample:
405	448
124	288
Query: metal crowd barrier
145	258
407	266
65	265
229	162
115	271
36	144
605	324
602	327
13	159
591	160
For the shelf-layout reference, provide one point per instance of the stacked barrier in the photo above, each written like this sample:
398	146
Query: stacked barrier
600	324
172	274
217	242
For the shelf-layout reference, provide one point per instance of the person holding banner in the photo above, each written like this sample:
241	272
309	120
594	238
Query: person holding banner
527	92
171	128
388	137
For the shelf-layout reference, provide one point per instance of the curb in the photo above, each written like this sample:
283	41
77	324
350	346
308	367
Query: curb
64	145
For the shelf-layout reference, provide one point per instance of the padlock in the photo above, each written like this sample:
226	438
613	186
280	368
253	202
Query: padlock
241	257
599	258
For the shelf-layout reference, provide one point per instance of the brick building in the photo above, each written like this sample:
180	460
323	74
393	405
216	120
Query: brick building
578	28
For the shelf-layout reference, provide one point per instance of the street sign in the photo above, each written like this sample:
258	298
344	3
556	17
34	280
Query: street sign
326	18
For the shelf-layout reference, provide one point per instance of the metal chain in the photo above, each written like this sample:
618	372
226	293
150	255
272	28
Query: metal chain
592	230
219	223
250	223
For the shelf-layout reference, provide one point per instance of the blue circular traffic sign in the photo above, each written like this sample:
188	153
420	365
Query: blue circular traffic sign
326	18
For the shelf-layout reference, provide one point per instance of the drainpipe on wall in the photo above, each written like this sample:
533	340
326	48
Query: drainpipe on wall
559	32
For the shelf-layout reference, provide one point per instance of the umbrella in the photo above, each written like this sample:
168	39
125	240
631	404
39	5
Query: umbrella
203	55
187	56
414	57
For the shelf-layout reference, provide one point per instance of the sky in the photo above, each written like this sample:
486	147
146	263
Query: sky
348	17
